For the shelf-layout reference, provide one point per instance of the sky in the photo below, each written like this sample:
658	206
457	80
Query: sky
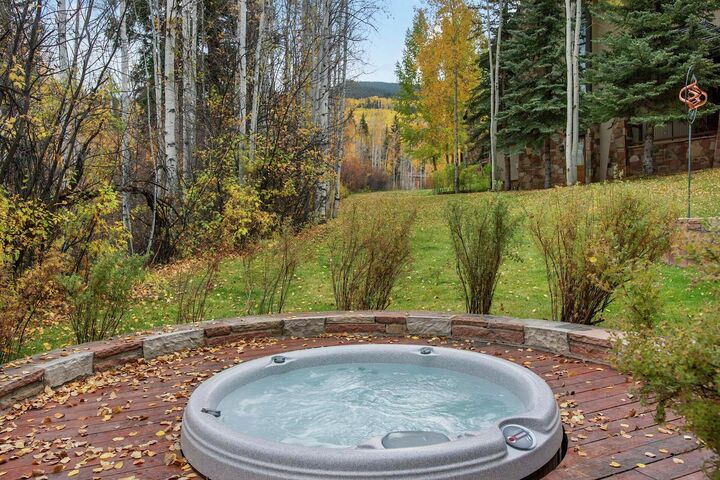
384	47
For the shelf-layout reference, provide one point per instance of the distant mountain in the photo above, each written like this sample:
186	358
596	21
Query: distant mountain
372	89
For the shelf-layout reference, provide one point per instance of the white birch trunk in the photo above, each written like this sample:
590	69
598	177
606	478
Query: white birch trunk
323	104
189	87
256	80
496	97
576	87
64	59
172	179
493	93
125	105
241	84
569	167
341	113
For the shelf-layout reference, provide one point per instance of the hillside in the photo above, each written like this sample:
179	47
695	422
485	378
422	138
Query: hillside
431	283
372	89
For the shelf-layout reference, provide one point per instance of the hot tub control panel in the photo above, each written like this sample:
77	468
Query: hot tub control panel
518	437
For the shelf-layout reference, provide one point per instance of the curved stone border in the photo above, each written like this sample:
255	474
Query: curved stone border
25	378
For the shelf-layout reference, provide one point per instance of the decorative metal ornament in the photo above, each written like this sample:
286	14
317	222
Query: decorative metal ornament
694	98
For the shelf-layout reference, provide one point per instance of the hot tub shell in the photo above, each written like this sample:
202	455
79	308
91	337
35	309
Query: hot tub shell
222	453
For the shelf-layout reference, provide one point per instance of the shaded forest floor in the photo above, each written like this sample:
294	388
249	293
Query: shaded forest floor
431	282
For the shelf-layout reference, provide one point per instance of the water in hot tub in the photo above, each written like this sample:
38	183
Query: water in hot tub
344	405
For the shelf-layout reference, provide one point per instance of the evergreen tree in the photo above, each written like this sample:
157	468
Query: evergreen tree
407	102
533	63
364	128
647	53
478	113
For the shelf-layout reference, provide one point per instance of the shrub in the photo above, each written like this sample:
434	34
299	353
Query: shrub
643	302
481	235
193	287
22	297
593	245
369	250
278	260
473	178
678	365
100	299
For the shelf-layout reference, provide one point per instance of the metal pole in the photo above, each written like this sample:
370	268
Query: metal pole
694	97
689	167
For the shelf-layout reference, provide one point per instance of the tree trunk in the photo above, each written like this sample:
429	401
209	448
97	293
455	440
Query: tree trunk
456	133
323	104
569	164
125	105
256	79
173	185
341	127
241	83
716	155
189	26
648	166
493	93
589	144
545	155
62	37
494	88
576	88
508	172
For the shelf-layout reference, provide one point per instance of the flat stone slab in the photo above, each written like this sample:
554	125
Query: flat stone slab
429	326
351	318
170	342
254	324
305	327
548	338
67	369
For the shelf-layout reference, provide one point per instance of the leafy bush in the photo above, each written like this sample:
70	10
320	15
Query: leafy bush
278	260
21	299
358	176
481	235
678	365
193	287
100	299
592	245
369	250
473	178
643	302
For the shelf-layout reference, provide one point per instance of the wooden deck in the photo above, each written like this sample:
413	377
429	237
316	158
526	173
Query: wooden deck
125	423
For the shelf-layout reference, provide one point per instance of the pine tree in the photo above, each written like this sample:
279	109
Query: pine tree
407	102
638	74
534	96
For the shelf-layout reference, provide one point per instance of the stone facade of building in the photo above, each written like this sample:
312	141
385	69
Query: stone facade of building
619	160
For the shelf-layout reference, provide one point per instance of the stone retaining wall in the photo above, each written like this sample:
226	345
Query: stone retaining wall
25	378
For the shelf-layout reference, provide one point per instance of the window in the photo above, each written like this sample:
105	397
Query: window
677	130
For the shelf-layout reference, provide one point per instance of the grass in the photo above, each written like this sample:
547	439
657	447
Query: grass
431	282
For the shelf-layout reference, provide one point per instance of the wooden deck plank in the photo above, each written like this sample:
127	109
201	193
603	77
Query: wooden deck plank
143	399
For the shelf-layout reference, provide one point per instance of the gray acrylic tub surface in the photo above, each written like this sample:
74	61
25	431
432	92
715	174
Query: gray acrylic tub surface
222	453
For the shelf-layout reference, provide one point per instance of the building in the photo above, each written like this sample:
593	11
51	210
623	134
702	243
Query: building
615	149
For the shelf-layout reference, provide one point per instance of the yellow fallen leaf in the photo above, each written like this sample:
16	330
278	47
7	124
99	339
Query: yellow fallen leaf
641	465
678	460
72	473
615	464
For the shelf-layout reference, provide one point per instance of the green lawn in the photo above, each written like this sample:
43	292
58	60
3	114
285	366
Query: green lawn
431	283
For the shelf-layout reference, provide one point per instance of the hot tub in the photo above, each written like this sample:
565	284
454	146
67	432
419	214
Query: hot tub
373	412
